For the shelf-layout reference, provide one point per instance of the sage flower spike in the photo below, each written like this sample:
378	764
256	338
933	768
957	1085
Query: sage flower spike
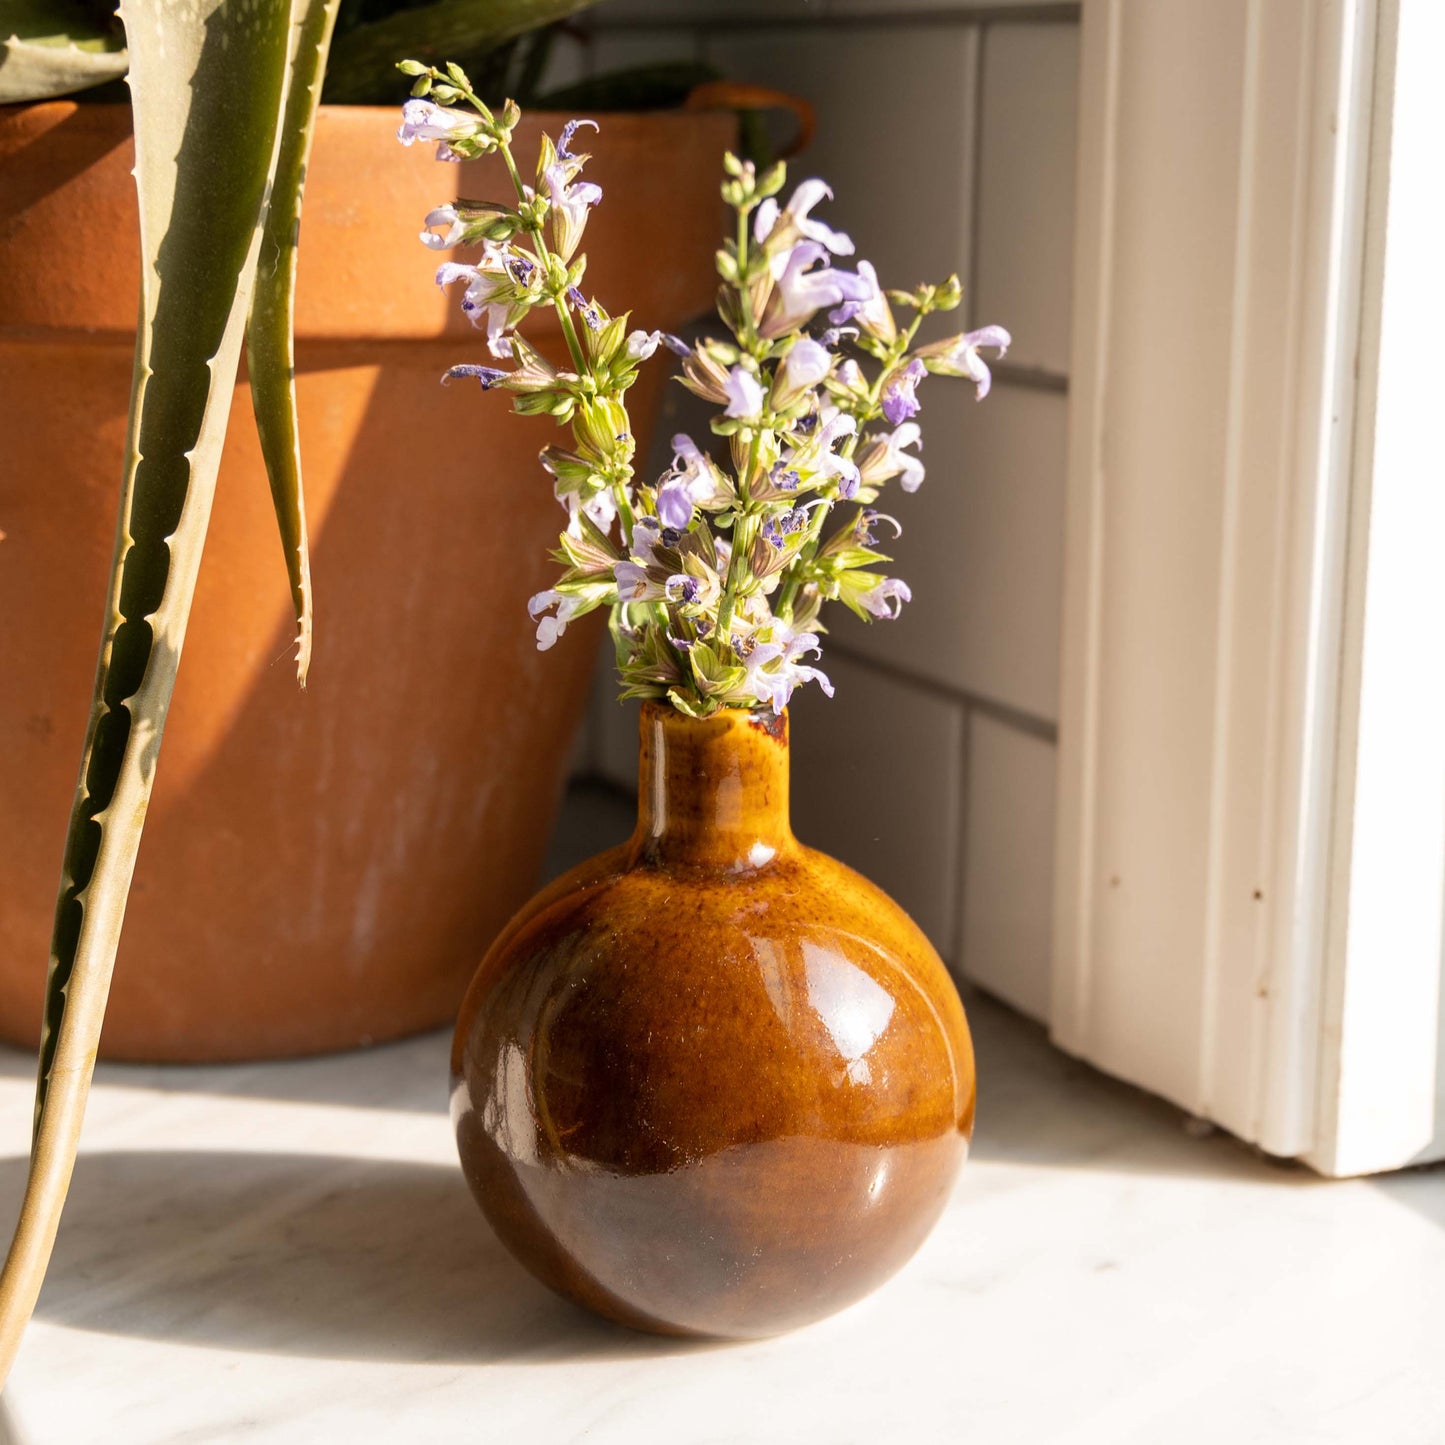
715	572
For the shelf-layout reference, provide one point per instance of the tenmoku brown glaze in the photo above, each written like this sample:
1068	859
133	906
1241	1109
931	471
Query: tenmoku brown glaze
712	1082
318	869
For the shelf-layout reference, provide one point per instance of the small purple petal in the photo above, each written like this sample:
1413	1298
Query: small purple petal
674	505
745	395
489	376
565	139
899	401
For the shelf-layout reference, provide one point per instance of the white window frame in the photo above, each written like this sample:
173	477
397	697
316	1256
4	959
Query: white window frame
1252	727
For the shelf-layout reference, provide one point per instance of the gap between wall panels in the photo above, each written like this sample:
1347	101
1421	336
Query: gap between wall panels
933	769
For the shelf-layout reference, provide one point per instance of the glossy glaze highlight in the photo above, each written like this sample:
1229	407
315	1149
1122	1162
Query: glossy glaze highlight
712	1082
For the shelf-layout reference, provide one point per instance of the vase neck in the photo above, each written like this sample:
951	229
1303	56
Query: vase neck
712	792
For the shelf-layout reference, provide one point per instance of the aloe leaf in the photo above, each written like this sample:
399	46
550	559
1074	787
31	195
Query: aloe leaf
270	347
55	47
363	61
207	79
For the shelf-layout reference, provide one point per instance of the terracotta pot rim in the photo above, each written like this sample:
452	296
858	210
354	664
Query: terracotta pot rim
112	108
369	278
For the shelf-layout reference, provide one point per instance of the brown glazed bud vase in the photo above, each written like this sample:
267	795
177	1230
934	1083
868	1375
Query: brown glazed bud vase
712	1082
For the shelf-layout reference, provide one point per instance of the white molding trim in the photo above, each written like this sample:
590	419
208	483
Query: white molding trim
1223	158
1381	1101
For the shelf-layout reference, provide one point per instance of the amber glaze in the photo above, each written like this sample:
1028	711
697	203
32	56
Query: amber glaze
712	1082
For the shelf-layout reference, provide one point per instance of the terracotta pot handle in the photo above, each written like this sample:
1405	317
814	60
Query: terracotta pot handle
733	95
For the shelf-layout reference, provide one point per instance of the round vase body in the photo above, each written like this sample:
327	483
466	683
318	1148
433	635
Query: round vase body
712	1082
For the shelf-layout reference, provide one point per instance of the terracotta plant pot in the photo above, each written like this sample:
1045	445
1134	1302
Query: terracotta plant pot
324	869
712	1082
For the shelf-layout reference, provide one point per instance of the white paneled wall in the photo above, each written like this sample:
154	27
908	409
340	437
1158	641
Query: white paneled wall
948	132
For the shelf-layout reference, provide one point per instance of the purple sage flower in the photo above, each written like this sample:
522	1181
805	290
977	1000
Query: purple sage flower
683	589
872	311
489	376
452	236
745	395
549	629
887	598
424	120
564	141
805	365
488	298
883	457
961	357
772	665
570	202
799	291
864	533
693	481
674	502
633	583
795	220
899	401
815	459
641	344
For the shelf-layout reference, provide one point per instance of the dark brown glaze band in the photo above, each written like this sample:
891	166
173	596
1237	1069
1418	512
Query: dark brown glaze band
712	1082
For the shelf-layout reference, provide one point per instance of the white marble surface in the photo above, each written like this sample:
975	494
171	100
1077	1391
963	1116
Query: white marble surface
287	1253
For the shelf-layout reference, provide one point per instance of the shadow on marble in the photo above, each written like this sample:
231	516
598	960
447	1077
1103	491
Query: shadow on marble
1039	1107
289	1254
9	1430
1421	1189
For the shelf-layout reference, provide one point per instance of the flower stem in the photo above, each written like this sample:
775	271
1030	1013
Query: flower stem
741	540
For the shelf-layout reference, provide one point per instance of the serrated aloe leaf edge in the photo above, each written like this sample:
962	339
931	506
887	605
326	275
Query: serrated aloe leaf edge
209	84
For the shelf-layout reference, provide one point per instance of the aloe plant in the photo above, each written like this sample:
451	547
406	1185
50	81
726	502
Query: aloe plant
224	94
217	172
55	48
